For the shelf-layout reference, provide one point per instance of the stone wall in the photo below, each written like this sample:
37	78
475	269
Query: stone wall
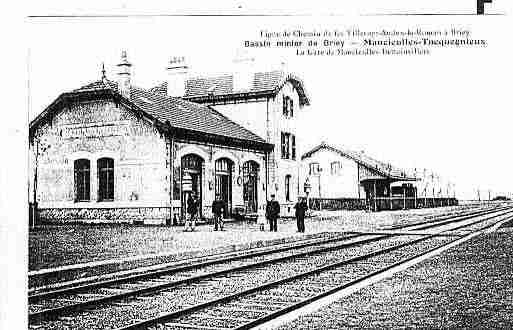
92	130
147	215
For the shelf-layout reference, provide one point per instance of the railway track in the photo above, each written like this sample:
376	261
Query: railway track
193	293
419	225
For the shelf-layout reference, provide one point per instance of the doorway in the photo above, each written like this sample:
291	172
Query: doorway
192	165
223	186
250	189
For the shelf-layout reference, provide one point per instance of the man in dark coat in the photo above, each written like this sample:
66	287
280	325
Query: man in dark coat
192	210
217	210
272	213
301	208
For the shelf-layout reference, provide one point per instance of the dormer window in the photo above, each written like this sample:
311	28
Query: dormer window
288	107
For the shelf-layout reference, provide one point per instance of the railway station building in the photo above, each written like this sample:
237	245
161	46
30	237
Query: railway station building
110	151
268	103
354	178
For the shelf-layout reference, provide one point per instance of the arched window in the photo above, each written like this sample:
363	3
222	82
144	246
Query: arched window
105	179
82	169
287	187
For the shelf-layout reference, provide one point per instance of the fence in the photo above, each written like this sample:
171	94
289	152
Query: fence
401	203
337	204
379	203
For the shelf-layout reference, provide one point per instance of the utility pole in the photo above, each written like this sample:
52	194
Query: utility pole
320	198
34	188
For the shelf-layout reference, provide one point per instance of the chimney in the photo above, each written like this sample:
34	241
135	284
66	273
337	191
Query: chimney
177	73
124	75
244	71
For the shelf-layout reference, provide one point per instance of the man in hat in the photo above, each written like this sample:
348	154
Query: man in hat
217	211
301	208
192	210
272	213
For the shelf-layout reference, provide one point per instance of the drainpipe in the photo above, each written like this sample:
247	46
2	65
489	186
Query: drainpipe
415	198
34	202
390	196
375	201
320	197
404	198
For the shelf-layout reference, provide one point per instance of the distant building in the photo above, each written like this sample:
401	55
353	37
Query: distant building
110	151
335	172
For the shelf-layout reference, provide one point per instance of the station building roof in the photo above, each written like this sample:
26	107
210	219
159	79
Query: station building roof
185	118
381	168
222	87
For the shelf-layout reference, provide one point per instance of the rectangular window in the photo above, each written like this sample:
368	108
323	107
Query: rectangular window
335	168
285	106
105	179
283	152
287	146
82	169
293	143
314	168
287	187
288	107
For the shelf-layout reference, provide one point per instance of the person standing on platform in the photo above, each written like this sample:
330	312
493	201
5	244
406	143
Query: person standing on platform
261	220
272	213
217	210
192	211
301	208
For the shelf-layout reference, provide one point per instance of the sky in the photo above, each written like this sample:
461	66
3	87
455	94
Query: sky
449	112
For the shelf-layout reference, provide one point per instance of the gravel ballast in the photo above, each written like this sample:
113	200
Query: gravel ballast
469	286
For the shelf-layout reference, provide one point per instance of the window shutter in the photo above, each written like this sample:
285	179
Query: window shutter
291	109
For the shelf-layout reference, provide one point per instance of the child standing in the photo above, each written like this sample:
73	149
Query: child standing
261	220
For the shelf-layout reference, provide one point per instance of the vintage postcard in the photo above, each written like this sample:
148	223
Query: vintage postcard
236	166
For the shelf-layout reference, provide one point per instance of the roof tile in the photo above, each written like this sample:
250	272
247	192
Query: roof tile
188	115
223	85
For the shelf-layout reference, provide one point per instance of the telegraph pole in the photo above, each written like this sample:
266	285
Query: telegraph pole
34	187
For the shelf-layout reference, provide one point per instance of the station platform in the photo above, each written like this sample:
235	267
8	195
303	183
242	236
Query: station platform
69	254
